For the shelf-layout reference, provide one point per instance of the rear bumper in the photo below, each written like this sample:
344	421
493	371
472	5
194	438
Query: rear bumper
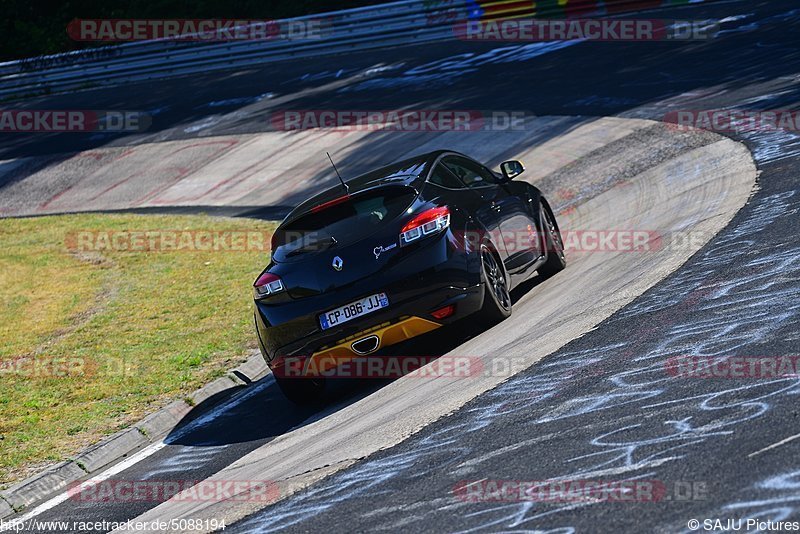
408	316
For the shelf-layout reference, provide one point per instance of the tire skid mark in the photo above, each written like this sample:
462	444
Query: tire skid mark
72	186
183	172
231	182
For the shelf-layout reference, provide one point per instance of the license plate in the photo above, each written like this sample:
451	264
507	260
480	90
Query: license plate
353	310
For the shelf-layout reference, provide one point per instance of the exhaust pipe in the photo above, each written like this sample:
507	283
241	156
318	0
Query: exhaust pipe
366	345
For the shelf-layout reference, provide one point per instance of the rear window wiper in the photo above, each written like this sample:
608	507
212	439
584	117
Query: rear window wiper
322	244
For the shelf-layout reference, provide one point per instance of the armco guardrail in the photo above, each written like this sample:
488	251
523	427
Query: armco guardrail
396	23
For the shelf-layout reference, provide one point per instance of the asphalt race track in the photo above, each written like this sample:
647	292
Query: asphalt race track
592	399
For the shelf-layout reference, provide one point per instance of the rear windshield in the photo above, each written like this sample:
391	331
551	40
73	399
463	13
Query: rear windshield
340	224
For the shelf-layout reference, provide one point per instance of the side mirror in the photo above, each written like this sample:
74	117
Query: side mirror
511	169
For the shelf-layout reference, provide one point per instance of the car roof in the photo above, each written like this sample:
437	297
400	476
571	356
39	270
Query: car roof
410	172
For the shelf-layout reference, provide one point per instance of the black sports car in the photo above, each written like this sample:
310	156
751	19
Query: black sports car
394	254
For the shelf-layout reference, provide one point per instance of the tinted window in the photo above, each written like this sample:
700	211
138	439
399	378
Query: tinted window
441	176
472	174
340	223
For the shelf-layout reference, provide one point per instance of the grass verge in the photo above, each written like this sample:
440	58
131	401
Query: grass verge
93	337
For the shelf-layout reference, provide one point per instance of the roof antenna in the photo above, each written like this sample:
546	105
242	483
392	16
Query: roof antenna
347	189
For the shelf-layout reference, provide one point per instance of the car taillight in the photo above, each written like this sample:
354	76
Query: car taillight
267	284
330	204
426	223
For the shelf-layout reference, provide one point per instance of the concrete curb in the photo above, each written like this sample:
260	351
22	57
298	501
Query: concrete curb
151	429
5	508
52	479
107	451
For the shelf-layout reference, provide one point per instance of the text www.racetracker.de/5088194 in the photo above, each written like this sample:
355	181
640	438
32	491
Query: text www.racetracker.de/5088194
174	525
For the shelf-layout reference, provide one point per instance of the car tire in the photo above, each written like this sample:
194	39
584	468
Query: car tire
496	295
301	390
554	245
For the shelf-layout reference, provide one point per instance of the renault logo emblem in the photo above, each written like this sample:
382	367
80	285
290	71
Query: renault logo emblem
338	263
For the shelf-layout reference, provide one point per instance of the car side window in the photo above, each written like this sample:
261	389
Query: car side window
472	174
443	177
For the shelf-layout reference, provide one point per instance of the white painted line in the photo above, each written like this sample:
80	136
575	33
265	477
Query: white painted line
781	442
55	501
139	456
